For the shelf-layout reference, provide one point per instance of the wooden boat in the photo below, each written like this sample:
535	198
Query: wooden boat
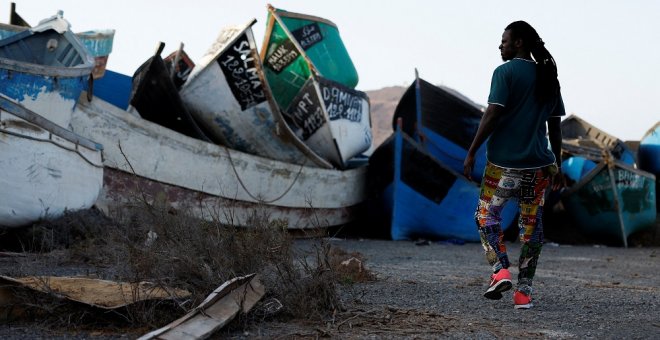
444	122
332	119
648	153
297	46
306	63
97	42
179	65
46	169
612	201
154	95
213	181
227	94
580	137
45	68
420	197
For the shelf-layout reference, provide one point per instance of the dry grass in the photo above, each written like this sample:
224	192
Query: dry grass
155	243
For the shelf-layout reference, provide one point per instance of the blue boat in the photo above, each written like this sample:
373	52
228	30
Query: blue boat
611	201
417	196
97	42
114	88
607	197
648	153
45	69
444	121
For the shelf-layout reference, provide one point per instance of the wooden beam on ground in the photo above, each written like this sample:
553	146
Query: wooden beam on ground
217	310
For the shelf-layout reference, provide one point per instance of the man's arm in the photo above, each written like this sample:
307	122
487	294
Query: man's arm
488	123
554	133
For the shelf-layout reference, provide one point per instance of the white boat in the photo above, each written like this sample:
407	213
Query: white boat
228	96
46	169
332	119
213	181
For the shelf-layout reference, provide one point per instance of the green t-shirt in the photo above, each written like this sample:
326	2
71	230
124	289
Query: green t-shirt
519	140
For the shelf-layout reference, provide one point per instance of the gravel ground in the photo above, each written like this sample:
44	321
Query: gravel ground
435	291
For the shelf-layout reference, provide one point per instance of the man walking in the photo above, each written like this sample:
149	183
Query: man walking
524	97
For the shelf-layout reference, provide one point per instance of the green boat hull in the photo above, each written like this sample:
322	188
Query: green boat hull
323	52
598	210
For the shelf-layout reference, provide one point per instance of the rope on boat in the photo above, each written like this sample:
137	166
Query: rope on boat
49	140
233	166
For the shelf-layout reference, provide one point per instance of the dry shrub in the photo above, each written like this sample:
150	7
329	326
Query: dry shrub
153	242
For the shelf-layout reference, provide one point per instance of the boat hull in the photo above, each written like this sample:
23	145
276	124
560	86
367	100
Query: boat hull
155	96
227	94
232	185
421	197
649	151
444	121
99	45
45	69
612	213
297	46
44	174
115	88
332	119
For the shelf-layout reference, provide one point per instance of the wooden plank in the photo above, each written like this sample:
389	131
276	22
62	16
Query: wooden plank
219	308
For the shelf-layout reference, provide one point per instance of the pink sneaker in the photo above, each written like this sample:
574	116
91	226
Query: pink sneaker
499	282
522	300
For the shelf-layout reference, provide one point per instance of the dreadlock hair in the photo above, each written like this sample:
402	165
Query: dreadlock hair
547	84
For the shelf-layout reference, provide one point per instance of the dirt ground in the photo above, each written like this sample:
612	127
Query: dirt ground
434	290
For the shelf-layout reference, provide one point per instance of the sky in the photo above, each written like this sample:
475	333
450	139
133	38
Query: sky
607	52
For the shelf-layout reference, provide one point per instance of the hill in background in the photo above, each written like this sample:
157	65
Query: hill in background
383	103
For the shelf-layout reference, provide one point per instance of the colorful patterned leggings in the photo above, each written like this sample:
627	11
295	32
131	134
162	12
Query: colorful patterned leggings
497	187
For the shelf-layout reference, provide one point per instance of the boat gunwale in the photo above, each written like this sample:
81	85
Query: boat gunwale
45	70
595	171
30	116
308	17
650	131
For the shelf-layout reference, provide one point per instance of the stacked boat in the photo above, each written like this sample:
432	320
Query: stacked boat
215	137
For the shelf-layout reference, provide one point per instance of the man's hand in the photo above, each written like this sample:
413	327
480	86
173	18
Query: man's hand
468	165
558	180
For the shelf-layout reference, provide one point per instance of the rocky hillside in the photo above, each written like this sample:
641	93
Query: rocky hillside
383	103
